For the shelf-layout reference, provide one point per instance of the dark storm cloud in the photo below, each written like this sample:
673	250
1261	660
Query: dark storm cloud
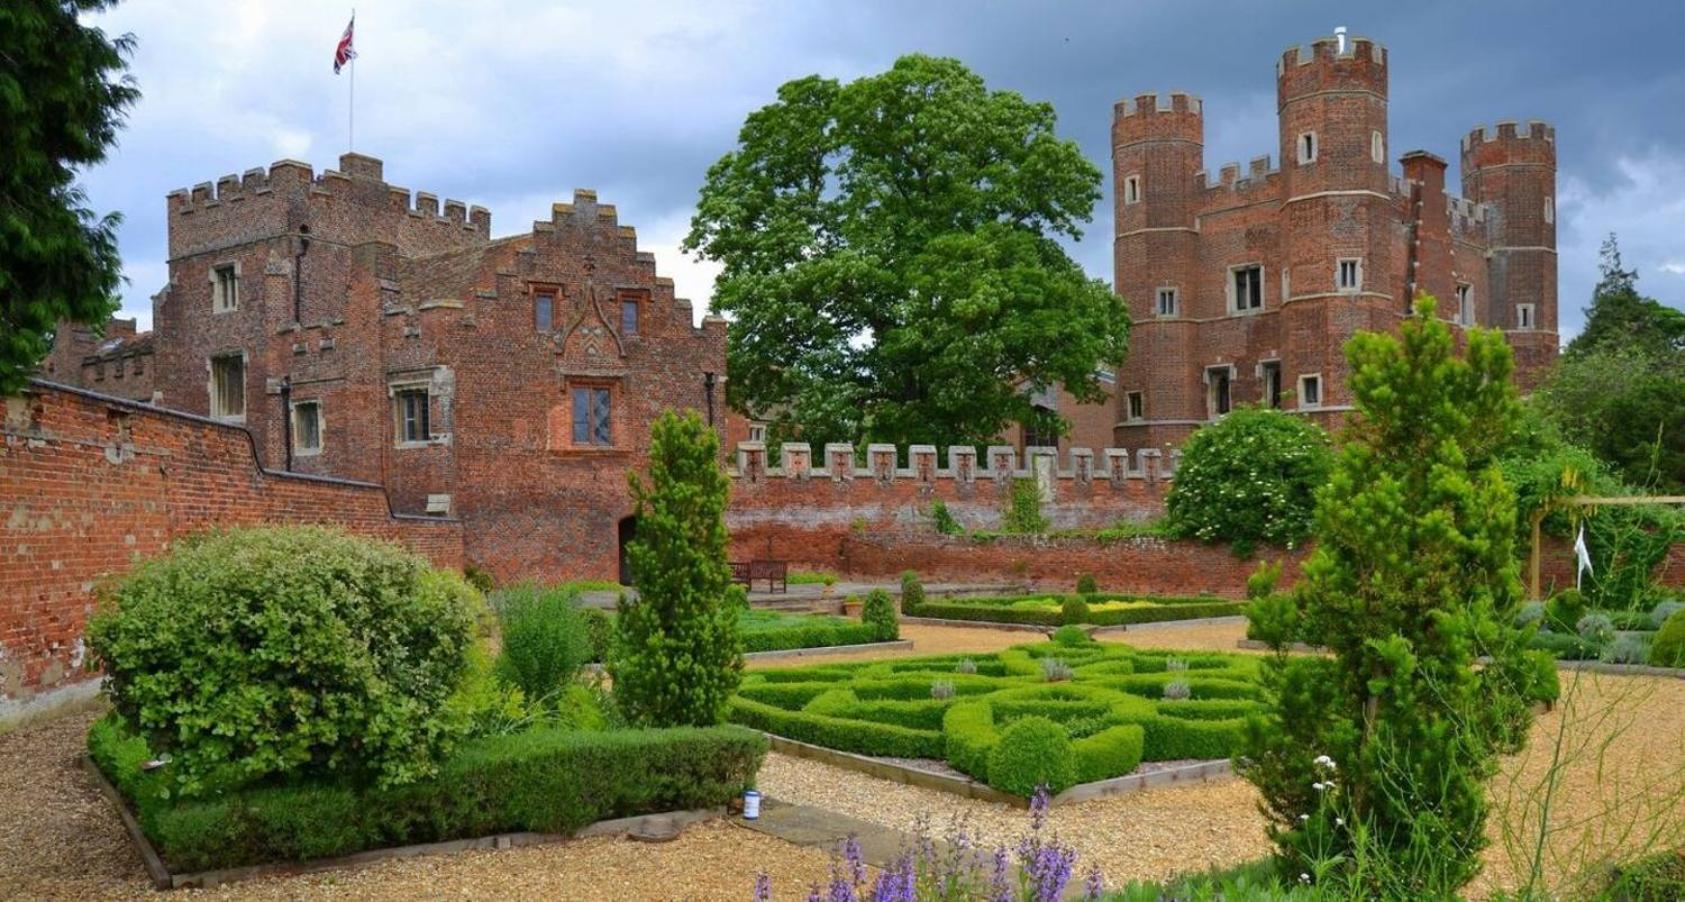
513	105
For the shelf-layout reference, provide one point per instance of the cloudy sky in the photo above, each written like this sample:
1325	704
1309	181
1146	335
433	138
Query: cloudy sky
512	105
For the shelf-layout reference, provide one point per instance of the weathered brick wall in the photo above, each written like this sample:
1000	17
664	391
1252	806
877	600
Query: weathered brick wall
89	484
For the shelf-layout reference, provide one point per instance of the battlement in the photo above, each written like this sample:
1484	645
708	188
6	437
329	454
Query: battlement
1229	176
1509	130
1150	104
1327	50
292	178
1000	463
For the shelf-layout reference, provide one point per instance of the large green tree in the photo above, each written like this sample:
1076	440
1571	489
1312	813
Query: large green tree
677	656
890	259
1619	389
1372	763
62	98
1620	318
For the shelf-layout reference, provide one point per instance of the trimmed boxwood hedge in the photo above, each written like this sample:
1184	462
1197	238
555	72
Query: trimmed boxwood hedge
999	610
548	781
1110	713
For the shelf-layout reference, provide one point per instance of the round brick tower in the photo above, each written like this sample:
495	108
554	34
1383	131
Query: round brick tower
1512	170
1331	99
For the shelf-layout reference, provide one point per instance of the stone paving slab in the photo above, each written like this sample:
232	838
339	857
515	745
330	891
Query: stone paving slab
806	825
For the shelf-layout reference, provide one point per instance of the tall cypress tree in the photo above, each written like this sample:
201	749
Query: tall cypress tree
1414	577
677	656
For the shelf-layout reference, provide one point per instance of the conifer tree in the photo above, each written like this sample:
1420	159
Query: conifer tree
677	656
1414	577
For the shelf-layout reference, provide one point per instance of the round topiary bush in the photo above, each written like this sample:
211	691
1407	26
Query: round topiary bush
1663	610
1032	752
1074	609
279	652
1070	635
1087	585
912	593
1250	477
1668	648
1564	610
1530	613
1597	629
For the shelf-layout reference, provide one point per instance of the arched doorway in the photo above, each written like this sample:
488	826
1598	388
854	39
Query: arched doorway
628	531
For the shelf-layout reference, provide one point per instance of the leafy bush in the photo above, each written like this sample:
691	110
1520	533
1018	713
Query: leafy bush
677	656
1074	609
1023	509
1250	477
1108	753
1087	585
944	520
479	579
1668	648
879	613
1663	610
1072	636
843	734
1626	650
549	781
1032	752
1597	629
912	593
1261	582
1565	609
599	631
995	611
1178	690
284	652
545	639
1565	646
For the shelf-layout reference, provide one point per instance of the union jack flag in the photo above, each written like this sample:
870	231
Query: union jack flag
345	53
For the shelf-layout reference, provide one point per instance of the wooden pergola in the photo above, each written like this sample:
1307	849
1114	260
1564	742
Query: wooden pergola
1584	501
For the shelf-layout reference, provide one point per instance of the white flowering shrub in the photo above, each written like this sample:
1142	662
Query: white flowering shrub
1250	477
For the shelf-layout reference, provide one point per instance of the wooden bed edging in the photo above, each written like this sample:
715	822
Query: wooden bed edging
1200	772
163	879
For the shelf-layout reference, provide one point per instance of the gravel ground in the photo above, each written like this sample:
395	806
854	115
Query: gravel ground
1621	786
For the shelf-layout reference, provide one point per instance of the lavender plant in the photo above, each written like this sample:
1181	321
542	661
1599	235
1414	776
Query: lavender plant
1037	868
1054	670
942	689
1177	690
966	665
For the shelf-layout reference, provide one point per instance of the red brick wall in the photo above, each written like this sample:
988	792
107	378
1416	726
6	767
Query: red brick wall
89	484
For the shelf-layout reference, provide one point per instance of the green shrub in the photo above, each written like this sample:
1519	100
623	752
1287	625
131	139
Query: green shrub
1074	609
1565	646
1533	612
1023	509
1261	582
1626	650
1565	609
968	736
860	736
912	593
1086	585
1663	610
943	519
1668	648
1597	629
479	579
545	639
1250	477
1072	636
1178	738
282	652
1112	752
547	781
677	656
879	613
599	631
1032	752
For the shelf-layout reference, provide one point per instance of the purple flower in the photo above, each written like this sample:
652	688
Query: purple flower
1038	807
1095	886
813	894
856	864
1000	887
763	887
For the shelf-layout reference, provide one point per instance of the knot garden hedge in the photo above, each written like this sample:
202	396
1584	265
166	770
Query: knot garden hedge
1111	712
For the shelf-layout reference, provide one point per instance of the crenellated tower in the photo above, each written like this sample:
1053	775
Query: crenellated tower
1511	170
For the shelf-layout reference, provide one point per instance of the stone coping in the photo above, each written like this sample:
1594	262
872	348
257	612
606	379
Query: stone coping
657	824
1199	772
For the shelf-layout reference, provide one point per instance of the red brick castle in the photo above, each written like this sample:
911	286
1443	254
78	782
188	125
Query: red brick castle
1244	288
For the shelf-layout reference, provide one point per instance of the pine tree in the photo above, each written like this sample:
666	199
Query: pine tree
1414	577
677	655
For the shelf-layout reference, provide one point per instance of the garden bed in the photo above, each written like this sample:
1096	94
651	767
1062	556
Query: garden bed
1094	610
1099	710
532	784
765	631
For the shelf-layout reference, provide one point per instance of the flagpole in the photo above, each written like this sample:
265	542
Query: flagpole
351	111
